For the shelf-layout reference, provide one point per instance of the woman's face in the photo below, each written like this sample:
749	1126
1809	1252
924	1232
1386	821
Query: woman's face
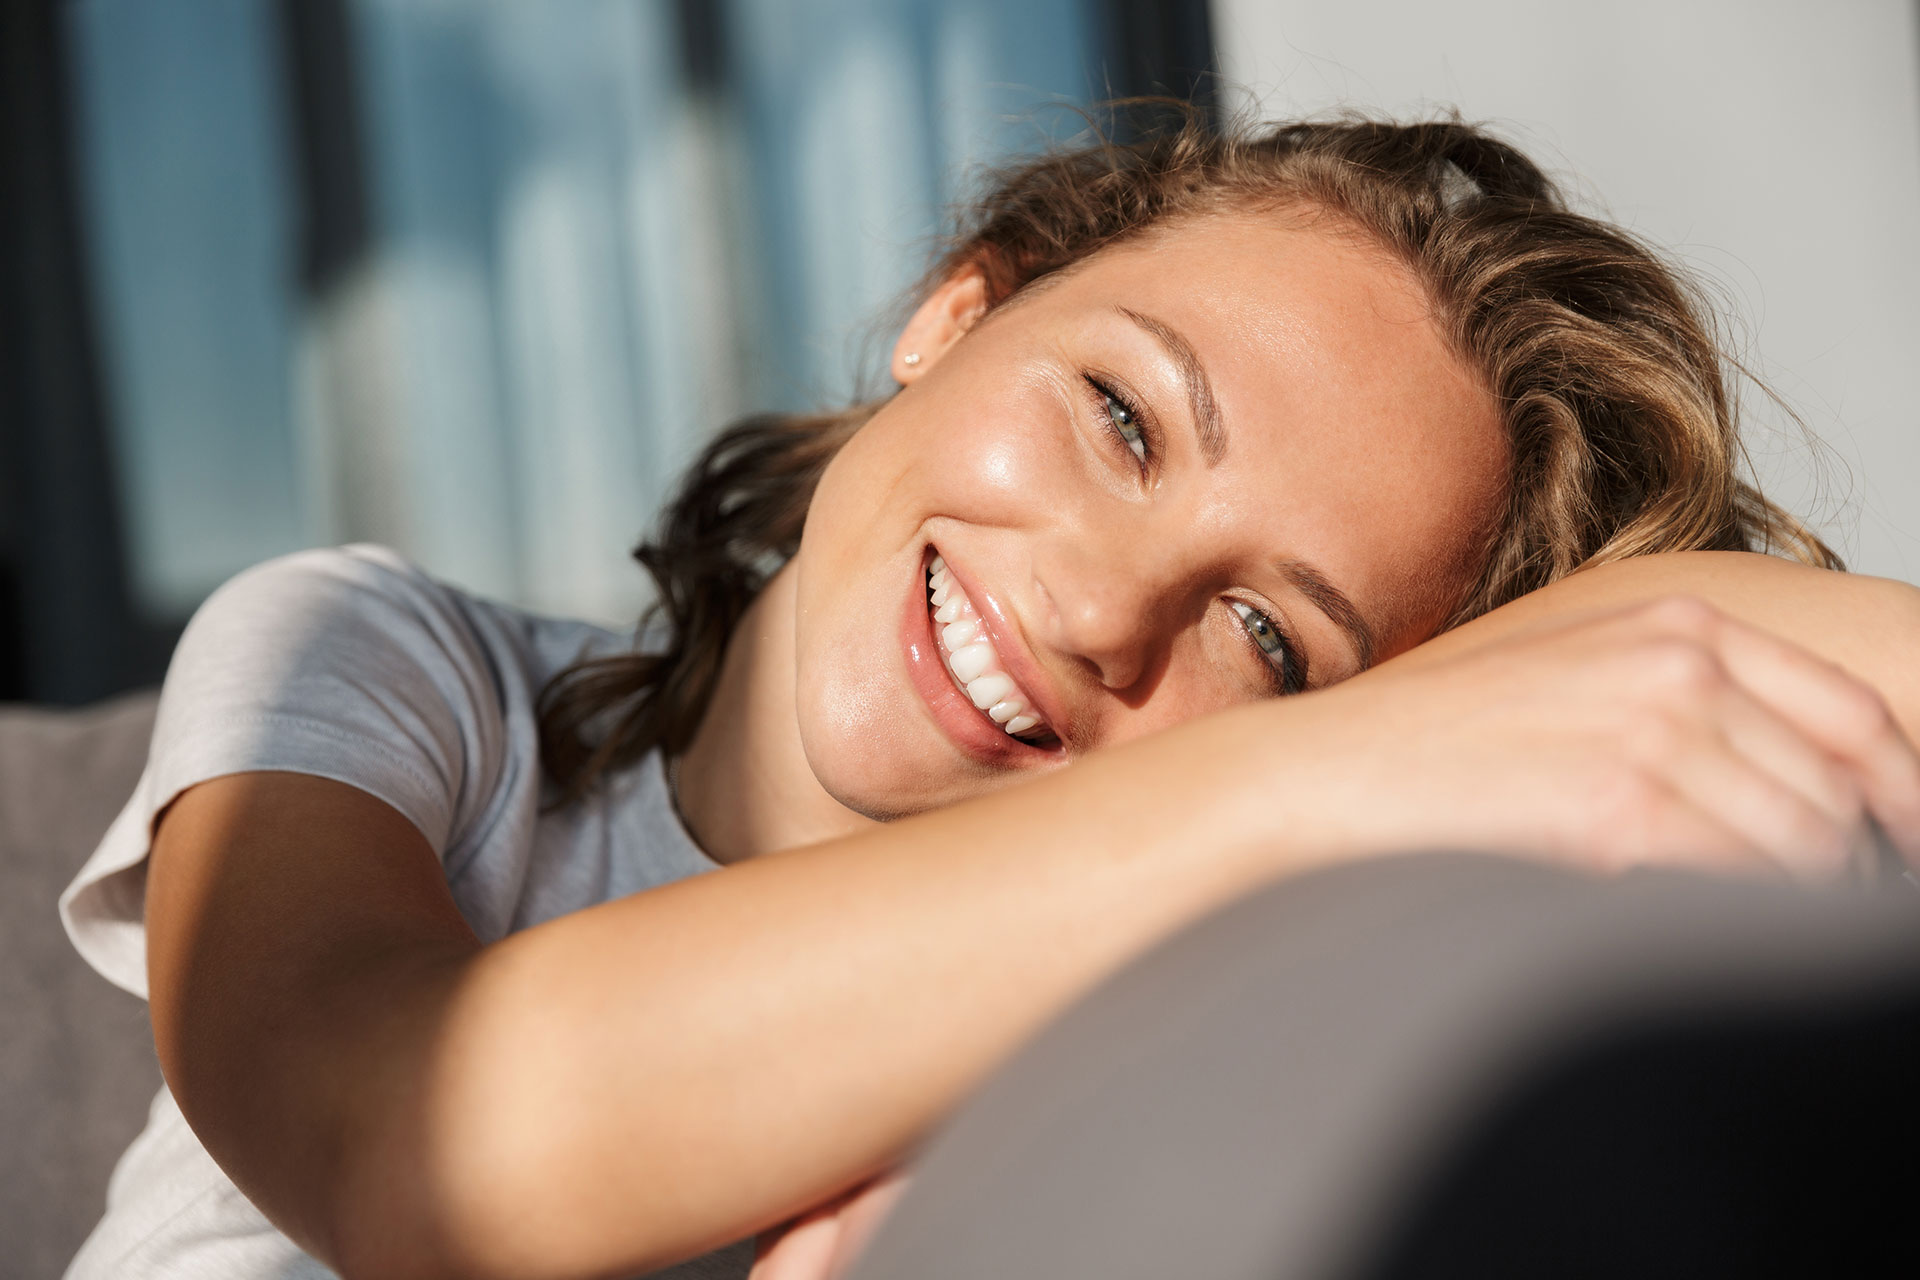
1229	460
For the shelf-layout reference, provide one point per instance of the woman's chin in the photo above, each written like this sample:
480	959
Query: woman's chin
880	776
880	785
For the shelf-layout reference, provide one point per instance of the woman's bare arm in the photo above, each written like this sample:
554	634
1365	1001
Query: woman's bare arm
646	1079
652	1077
1867	626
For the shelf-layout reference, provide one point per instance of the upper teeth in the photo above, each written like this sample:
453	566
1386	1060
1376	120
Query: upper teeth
971	656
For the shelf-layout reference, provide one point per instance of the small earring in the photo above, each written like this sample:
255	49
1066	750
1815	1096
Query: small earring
910	359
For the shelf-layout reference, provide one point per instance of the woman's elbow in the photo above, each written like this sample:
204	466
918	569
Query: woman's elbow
481	1165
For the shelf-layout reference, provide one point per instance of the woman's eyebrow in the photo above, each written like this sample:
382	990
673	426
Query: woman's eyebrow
1193	375
1333	602
1304	578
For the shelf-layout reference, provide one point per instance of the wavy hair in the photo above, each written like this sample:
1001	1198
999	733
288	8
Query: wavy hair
1604	359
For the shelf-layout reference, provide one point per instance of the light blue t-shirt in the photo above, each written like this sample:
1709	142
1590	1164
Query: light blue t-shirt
354	665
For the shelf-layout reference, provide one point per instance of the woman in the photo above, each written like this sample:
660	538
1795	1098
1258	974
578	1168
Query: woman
1185	429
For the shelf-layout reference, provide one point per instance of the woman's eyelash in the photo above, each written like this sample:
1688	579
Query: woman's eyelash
1135	432
1289	673
1144	443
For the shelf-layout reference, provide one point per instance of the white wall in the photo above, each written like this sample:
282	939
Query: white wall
1774	145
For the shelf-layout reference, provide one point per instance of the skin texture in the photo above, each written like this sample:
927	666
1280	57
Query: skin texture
404	1101
1356	443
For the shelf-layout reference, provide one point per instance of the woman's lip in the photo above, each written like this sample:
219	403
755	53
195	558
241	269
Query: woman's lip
950	708
1013	655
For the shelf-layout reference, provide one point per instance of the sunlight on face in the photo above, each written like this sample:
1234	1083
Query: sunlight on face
1229	459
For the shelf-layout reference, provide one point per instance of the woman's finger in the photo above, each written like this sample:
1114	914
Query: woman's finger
800	1250
823	1243
1831	785
862	1217
1642	818
1839	714
1772	815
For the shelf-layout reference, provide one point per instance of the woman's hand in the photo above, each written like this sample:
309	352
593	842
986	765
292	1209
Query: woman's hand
1663	732
822	1243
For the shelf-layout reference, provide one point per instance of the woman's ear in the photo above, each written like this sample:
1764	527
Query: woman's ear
939	322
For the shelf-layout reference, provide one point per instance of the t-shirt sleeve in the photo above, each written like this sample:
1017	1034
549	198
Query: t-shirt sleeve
348	664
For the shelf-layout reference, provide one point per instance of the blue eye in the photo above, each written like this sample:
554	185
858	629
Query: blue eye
1125	426
1272	644
1123	420
1261	628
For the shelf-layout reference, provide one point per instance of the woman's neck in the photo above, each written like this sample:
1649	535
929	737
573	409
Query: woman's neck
744	785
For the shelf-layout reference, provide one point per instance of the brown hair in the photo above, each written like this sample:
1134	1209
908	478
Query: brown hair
1604	359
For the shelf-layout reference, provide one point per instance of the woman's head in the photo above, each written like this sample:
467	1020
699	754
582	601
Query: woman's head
1233	428
1440	388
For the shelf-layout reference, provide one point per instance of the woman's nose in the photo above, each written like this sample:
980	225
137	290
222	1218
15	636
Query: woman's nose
1109	612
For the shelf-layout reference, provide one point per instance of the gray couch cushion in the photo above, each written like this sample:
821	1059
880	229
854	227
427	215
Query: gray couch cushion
77	1068
1455	1066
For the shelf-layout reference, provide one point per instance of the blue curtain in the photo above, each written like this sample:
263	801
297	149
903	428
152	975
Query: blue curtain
596	236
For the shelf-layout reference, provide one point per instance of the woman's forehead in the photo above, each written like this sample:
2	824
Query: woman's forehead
1265	270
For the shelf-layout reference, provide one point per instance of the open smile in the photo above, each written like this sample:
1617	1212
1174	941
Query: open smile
963	679
974	663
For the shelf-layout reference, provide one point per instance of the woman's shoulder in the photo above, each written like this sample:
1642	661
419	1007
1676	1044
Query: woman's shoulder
361	577
309	594
365	563
371	598
357	663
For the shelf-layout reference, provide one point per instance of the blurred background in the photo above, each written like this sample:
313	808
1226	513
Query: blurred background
475	278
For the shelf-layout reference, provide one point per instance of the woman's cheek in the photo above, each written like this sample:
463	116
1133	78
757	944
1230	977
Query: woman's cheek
1001	472
1021	463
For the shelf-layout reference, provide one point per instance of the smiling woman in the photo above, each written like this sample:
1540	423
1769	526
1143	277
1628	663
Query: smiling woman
1127	557
1225	524
1236	414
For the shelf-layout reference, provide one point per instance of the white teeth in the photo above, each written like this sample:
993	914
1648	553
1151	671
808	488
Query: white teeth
989	689
971	656
972	661
960	634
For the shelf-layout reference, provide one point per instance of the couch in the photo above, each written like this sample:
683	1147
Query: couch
77	1068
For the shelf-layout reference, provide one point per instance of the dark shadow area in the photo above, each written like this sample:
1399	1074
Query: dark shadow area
69	632
1446	1066
1761	1142
329	167
1162	47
